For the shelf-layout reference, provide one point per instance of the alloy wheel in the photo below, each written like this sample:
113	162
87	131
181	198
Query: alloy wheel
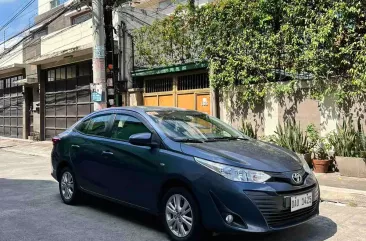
179	215
67	185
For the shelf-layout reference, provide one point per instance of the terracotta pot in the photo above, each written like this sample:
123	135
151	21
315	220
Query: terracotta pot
321	166
351	166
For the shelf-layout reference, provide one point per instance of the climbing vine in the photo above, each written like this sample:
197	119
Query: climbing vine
257	44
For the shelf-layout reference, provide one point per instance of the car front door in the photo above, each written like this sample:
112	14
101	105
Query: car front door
138	172
89	153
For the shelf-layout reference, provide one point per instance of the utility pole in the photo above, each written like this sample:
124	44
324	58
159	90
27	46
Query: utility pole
112	95
98	88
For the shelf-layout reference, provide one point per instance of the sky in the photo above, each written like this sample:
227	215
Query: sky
8	8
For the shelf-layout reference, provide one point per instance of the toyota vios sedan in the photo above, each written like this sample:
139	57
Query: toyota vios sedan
198	173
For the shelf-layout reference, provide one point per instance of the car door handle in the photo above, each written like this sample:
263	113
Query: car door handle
107	153
75	146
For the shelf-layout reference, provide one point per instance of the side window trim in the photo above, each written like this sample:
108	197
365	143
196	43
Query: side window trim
108	129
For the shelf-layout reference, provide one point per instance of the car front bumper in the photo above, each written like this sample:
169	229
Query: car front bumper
255	207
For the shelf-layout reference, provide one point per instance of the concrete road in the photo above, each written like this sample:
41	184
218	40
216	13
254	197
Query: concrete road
31	209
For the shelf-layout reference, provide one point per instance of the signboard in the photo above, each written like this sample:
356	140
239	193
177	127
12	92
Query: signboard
96	97
97	90
99	52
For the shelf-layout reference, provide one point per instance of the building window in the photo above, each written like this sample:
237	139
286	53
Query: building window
159	85
194	81
56	3
81	18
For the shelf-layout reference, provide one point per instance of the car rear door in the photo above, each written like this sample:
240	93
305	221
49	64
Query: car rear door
89	153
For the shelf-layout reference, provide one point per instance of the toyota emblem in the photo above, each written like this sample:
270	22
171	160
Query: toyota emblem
297	178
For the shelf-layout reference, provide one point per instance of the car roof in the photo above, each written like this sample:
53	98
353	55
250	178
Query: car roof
144	109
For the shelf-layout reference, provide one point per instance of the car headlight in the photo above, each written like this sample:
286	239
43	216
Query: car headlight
234	173
305	165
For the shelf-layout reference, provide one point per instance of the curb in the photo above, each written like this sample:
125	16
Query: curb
350	197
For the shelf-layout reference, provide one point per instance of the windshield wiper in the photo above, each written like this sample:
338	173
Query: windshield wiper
191	140
226	138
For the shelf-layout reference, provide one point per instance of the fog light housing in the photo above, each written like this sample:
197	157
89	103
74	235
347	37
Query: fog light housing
229	218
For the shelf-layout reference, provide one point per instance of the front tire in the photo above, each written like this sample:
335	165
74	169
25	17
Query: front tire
181	216
68	187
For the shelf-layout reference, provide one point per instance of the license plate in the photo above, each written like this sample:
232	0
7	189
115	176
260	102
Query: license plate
301	201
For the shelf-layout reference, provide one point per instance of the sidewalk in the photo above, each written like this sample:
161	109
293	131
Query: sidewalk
347	190
28	147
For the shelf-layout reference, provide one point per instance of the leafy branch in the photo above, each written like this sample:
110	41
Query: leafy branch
257	44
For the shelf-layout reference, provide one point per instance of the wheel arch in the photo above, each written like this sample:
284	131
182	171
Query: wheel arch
60	167
172	182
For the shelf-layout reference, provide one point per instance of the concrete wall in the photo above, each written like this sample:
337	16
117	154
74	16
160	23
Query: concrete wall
135	97
61	22
328	116
43	6
13	57
32	49
304	110
268	115
68	38
234	113
354	110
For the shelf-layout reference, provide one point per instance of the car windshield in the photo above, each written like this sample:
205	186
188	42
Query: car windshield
193	126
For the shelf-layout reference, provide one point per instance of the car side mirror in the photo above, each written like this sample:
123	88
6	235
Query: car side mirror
142	139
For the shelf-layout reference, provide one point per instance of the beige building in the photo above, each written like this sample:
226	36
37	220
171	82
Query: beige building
45	80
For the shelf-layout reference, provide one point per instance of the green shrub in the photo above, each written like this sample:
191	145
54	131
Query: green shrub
248	130
348	140
291	136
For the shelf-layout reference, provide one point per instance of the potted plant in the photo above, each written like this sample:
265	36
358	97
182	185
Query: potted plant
314	142
321	161
349	147
291	136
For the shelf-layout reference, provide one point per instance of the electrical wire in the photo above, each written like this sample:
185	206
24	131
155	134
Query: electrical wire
40	29
134	17
17	14
3	22
30	27
15	54
39	21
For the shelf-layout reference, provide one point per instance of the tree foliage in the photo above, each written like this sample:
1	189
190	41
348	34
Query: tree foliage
256	44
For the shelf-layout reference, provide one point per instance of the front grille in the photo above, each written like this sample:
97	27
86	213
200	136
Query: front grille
287	176
276	208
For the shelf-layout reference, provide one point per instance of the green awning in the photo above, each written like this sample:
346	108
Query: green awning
169	69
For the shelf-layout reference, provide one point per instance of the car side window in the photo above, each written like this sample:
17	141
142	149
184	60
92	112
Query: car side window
96	126
82	126
125	126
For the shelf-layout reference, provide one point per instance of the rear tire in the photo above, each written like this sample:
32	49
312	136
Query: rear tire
181	216
68	187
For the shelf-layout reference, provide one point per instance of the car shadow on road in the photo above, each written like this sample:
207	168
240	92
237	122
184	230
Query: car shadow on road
131	214
318	229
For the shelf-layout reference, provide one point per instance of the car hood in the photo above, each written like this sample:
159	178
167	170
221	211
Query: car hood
250	154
